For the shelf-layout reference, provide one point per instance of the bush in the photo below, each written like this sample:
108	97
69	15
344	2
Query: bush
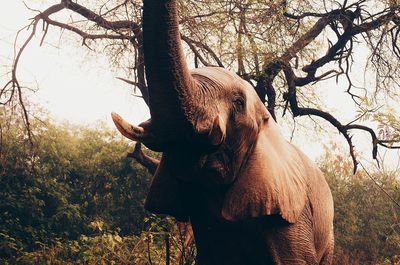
51	192
367	228
111	248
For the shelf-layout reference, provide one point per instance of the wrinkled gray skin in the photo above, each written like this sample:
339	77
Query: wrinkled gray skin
252	197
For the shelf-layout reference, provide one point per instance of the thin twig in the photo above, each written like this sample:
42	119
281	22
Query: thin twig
379	186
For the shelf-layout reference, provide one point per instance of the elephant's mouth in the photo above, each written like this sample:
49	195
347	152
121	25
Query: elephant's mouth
219	167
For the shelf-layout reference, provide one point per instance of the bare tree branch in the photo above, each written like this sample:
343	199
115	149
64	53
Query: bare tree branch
98	19
205	47
148	162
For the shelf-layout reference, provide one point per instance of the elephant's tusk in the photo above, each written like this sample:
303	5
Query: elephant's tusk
128	130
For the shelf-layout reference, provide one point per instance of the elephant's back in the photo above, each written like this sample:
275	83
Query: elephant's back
323	212
321	205
321	202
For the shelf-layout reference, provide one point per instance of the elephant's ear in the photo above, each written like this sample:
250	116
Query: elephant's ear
274	180
165	194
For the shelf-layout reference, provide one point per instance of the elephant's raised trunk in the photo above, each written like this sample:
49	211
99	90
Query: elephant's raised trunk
167	73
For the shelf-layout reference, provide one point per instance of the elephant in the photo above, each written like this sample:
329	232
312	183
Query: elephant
251	196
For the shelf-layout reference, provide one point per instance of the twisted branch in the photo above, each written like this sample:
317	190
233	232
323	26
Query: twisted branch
339	52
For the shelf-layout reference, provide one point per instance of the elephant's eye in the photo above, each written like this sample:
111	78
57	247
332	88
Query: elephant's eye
238	104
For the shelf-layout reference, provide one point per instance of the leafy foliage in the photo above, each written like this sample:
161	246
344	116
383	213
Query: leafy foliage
367	227
71	178
110	248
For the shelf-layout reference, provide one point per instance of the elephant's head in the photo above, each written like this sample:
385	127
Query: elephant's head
211	127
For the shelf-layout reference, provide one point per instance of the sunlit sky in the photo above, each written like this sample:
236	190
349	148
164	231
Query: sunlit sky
79	87
73	85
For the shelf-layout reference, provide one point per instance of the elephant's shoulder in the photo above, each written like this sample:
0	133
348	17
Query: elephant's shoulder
312	172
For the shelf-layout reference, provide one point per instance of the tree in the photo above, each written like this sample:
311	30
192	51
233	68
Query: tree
284	49
81	177
367	227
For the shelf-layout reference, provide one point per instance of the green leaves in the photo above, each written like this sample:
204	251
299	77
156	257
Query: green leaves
366	224
73	176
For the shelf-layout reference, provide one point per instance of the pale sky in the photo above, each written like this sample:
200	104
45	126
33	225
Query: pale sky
82	89
72	85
